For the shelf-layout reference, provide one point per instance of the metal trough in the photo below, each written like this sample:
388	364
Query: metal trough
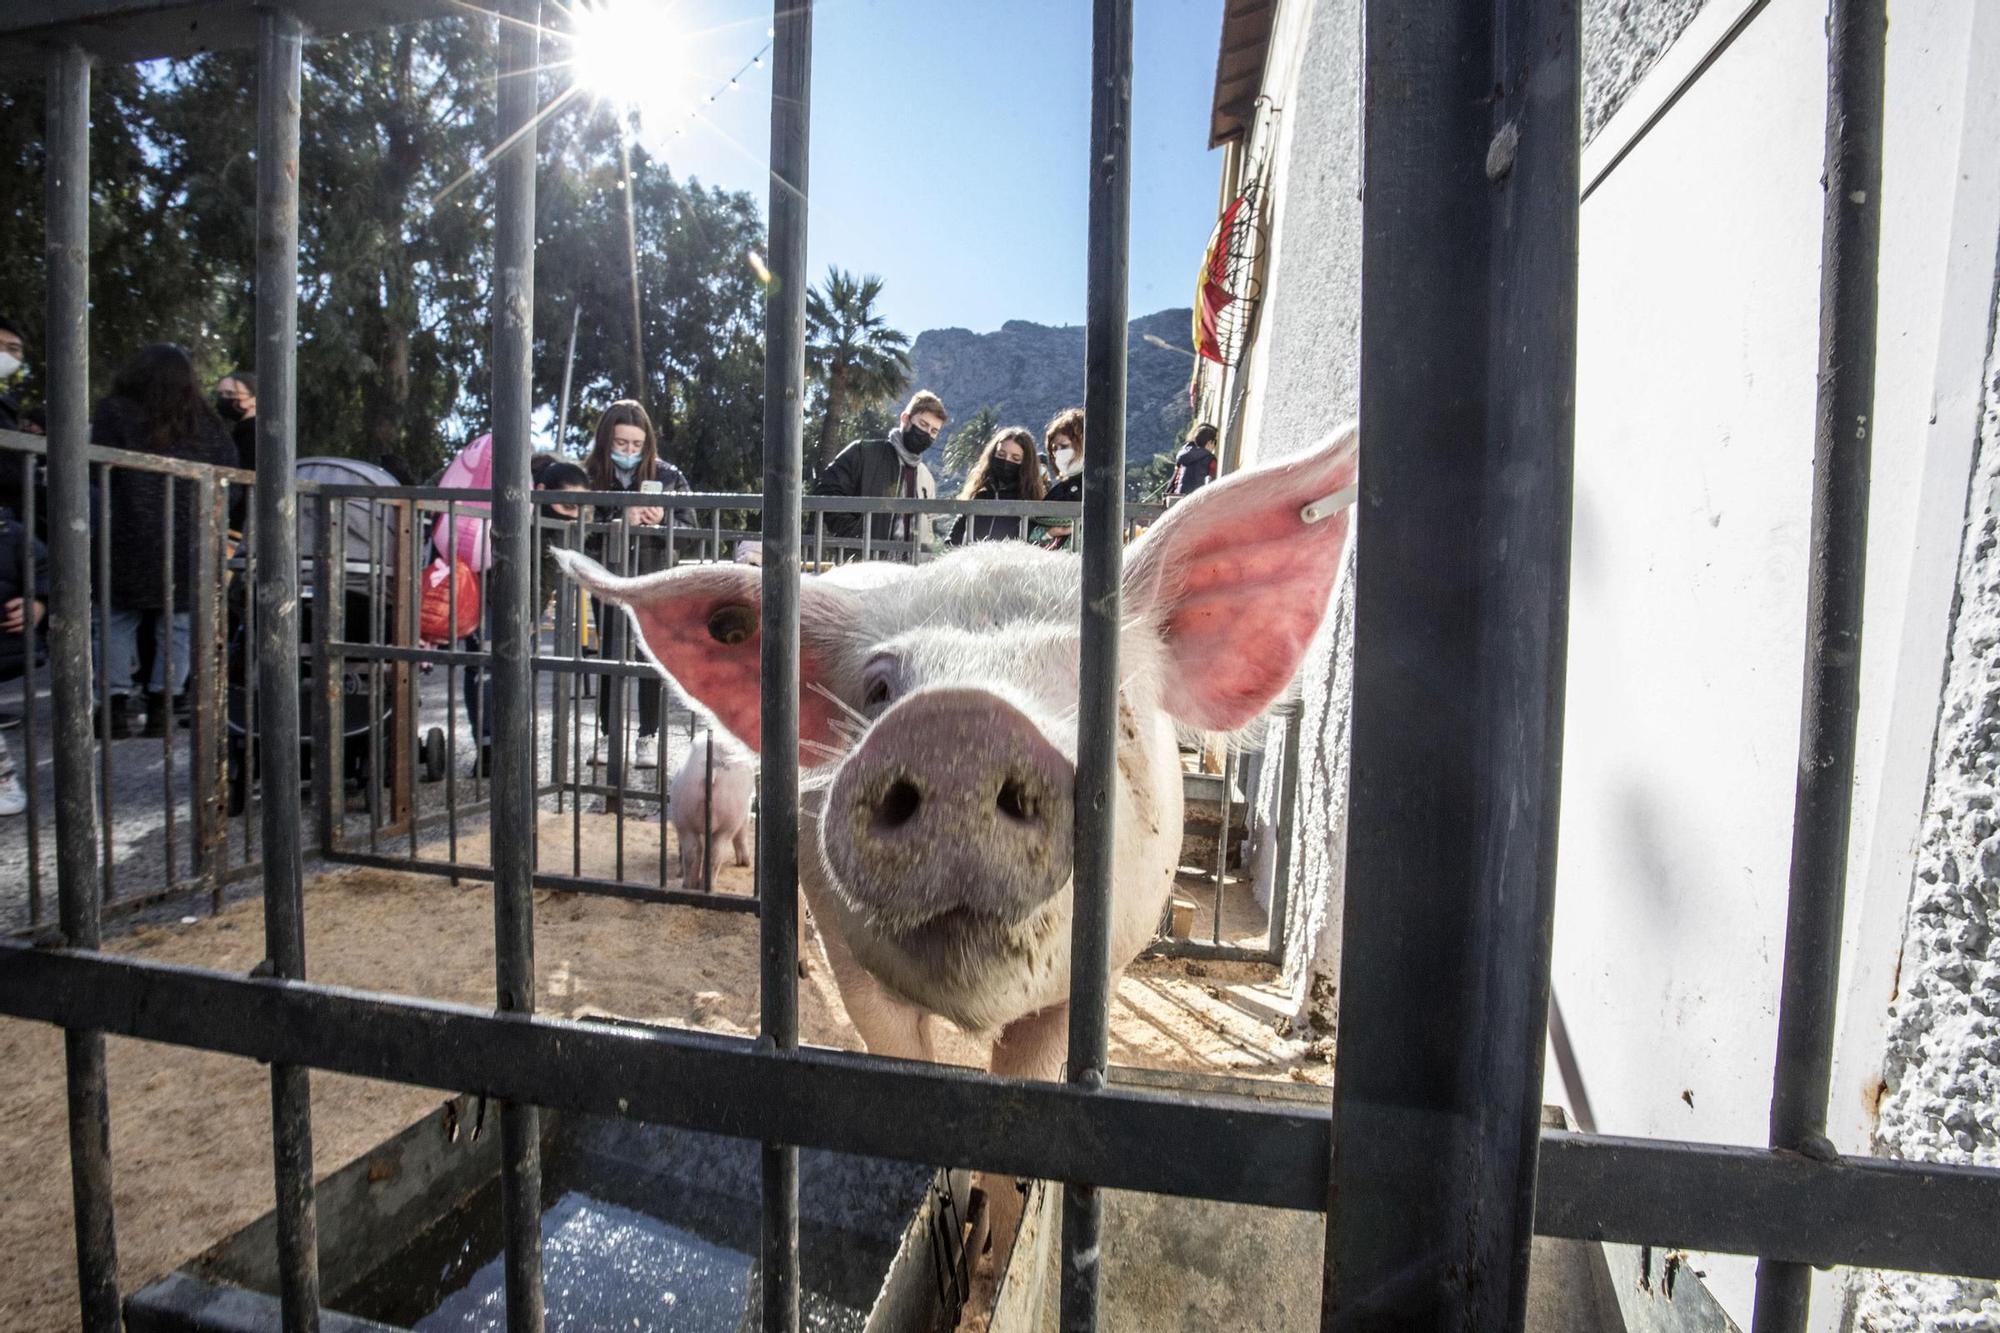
643	1227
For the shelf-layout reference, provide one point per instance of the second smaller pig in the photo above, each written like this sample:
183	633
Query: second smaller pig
726	804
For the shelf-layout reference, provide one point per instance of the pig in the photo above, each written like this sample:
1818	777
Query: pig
938	737
727	804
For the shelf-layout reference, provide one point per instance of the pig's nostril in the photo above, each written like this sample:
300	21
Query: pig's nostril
1016	801
897	805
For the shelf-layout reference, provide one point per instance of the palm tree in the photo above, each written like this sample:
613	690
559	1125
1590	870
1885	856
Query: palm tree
850	350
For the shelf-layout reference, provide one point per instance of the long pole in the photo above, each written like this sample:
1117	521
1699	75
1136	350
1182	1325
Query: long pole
77	883
778	781
281	43
1105	335
511	585
569	370
1468	372
1844	428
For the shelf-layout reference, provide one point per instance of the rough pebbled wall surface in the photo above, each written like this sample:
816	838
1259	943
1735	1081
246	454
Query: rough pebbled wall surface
1941	1071
1622	39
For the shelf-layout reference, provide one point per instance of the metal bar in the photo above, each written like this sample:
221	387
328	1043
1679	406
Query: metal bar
1222	843
778	656
102	538
67	255
374	669
163	653
451	681
280	51
1237	1149
510	668
1863	1212
620	754
1103	518
1843	436
581	603
1285	833
30	747
408	702
611	707
750	501
545	879
1468	336
19	441
252	742
569	369
328	734
205	641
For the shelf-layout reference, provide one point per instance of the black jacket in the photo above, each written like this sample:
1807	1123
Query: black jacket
651	552
987	527
1194	467
138	505
868	469
14	583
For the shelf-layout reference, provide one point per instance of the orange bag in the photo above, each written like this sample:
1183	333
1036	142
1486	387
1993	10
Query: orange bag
434	613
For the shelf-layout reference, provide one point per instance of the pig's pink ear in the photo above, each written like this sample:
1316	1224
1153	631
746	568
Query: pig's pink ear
1235	581
700	624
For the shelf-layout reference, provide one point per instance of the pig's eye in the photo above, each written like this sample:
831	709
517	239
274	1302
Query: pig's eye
880	685
732	624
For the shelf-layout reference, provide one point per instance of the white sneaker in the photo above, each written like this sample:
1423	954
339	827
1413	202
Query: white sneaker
646	754
13	798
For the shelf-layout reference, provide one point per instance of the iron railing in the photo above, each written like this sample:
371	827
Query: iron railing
1429	1161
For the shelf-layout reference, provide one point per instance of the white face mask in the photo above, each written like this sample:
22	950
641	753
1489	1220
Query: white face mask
9	363
1065	461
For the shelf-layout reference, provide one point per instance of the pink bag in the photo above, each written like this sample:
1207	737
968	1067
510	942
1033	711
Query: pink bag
471	470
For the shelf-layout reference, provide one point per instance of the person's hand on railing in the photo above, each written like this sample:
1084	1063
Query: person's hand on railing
647	516
14	615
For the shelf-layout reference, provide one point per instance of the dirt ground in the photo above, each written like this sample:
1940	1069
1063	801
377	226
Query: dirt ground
191	1130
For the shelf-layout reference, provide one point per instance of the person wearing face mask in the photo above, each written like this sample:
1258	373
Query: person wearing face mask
888	469
624	456
236	404
13	360
1063	440
1006	470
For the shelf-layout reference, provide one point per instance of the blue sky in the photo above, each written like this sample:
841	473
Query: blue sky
949	145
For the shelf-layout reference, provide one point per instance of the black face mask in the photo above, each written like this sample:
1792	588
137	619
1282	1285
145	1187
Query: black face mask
229	409
915	440
1003	475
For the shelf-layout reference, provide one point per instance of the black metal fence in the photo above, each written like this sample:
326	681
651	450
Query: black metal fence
1429	1162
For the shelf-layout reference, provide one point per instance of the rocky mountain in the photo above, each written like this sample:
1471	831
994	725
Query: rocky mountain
1028	372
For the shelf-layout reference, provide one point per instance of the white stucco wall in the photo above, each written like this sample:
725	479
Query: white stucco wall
1697	354
1697	358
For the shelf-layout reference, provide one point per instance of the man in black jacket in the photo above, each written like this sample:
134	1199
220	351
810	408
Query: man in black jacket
888	469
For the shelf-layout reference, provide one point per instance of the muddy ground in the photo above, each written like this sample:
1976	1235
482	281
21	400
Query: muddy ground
191	1130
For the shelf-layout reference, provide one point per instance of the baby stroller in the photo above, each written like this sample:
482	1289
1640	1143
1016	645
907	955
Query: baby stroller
367	536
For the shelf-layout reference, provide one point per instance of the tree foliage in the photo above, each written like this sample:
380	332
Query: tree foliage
961	449
700	329
395	247
852	354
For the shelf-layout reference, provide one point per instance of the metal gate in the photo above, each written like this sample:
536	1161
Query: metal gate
1430	1162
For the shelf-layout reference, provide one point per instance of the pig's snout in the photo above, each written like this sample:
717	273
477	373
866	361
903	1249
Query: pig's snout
954	801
